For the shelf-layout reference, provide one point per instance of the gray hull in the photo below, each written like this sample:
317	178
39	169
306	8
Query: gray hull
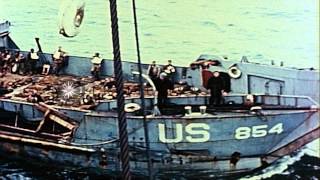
184	145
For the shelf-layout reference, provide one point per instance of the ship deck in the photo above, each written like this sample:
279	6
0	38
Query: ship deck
68	91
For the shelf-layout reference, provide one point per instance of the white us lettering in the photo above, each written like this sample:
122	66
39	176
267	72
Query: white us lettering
197	132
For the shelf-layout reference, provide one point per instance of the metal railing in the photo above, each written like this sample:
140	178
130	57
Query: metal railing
287	100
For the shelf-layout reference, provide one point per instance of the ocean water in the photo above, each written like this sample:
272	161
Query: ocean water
303	164
181	30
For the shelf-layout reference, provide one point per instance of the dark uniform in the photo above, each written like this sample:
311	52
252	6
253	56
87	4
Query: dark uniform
170	70
216	85
153	71
162	86
33	58
226	82
36	98
3	89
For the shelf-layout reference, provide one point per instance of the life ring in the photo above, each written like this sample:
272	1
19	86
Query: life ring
71	16
234	72
131	107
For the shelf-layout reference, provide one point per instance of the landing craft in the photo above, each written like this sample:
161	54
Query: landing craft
268	114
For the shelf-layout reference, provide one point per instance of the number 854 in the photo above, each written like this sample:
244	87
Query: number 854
257	131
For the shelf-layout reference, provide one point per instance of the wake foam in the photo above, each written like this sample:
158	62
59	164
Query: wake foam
281	165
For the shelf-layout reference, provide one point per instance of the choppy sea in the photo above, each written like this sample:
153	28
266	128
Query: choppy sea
181	30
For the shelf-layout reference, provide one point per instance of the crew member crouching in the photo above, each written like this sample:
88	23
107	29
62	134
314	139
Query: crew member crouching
4	89
87	102
35	97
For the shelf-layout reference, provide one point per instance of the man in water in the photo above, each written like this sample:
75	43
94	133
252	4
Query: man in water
217	88
163	84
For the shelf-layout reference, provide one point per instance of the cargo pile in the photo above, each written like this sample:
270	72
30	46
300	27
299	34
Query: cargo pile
80	92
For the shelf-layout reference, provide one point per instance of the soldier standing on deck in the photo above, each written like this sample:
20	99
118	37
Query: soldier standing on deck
153	70
96	65
16	63
170	70
163	84
33	58
217	88
58	60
